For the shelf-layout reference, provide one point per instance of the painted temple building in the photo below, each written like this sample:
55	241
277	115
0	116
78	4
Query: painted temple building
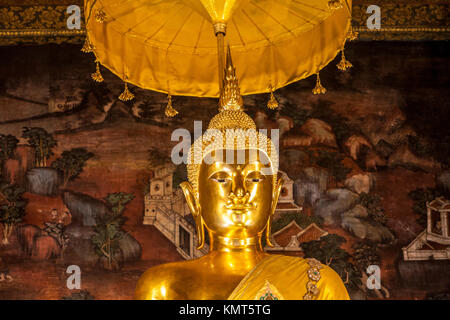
166	209
286	200
288	239
434	242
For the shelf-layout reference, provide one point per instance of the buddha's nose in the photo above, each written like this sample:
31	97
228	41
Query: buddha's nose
238	186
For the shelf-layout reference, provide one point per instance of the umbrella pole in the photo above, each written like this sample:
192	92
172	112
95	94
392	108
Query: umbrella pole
220	30
220	49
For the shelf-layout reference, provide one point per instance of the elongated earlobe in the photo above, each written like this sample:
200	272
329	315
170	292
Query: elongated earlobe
268	232
194	207
275	196
200	232
191	199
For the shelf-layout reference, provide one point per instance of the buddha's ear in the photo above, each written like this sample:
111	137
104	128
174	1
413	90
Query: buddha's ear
194	206
191	198
276	193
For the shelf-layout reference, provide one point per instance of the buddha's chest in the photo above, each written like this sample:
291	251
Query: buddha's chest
206	287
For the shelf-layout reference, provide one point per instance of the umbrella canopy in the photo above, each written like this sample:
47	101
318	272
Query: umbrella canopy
171	45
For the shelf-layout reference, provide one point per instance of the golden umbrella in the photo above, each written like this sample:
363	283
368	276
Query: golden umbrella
175	46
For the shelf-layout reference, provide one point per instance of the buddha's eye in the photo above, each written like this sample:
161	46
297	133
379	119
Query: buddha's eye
220	177
255	177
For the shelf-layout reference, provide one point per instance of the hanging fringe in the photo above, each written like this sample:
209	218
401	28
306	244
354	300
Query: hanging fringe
272	103
334	4
352	35
170	110
100	16
87	47
319	89
344	64
126	95
97	76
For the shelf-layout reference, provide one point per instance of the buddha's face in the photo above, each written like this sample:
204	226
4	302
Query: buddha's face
236	198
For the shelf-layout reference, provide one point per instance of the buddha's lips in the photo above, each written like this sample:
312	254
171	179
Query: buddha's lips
240	207
239	212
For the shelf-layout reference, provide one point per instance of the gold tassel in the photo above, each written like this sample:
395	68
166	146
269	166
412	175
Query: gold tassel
319	89
87	47
126	95
344	64
100	16
352	35
97	76
334	4
272	103
170	110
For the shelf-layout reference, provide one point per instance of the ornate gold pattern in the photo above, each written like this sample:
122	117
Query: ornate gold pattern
33	17
394	14
334	4
100	16
268	292
314	276
220	27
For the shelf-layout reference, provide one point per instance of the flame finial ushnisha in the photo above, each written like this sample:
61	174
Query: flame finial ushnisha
230	97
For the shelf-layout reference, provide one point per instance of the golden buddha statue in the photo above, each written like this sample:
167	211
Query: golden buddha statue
232	192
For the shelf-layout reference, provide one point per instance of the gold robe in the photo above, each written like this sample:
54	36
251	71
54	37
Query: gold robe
279	277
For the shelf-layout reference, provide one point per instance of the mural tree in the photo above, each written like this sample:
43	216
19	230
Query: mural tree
328	251
8	144
374	207
421	196
108	229
71	163
42	142
332	161
12	208
364	255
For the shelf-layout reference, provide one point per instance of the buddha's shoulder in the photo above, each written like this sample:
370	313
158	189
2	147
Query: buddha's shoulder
301	264
158	280
328	280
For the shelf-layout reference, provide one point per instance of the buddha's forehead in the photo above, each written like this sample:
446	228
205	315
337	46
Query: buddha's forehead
232	159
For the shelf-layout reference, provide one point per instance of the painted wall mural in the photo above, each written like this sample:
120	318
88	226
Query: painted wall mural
87	179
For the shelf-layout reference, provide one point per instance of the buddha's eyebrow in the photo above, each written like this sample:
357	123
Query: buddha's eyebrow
217	167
